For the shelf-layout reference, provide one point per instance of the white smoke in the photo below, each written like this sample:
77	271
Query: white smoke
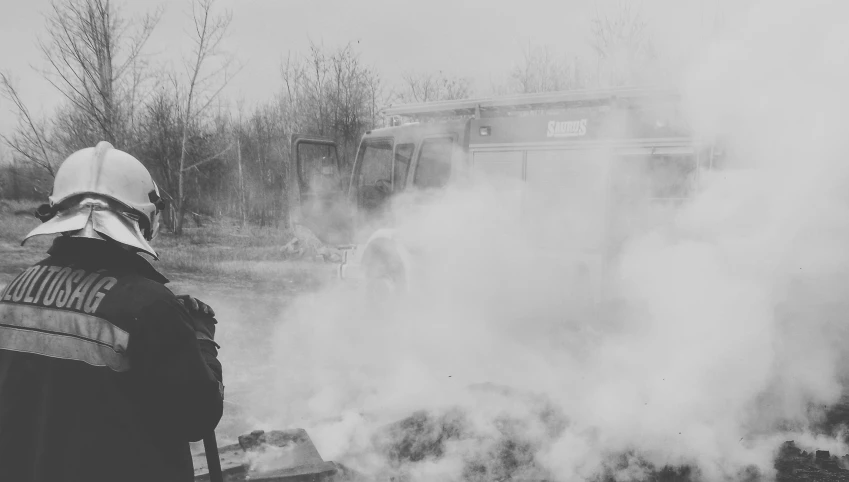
730	330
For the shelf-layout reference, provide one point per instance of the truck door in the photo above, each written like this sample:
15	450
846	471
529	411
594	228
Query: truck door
315	189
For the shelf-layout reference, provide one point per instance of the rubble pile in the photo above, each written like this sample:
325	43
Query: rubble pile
275	456
424	436
794	464
628	467
306	245
511	454
290	456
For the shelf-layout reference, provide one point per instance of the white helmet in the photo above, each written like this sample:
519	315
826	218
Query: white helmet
107	190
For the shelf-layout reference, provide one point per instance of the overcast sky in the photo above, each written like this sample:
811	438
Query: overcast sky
478	39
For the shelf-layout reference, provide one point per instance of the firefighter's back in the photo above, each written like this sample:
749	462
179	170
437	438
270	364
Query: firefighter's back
70	407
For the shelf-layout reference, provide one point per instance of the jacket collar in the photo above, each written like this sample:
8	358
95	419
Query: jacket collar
106	252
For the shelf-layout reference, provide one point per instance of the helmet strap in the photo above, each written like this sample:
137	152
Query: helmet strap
45	212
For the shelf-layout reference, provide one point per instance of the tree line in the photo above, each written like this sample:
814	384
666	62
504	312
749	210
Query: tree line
212	156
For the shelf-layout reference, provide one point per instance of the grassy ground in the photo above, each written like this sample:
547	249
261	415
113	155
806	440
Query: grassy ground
16	219
219	250
244	254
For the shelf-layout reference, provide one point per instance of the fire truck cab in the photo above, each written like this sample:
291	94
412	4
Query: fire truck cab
586	145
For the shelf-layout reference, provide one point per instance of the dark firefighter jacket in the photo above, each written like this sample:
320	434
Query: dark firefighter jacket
101	376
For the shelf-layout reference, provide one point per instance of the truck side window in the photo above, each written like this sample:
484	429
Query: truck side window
374	181
403	156
434	166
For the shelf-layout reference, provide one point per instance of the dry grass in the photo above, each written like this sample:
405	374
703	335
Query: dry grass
16	219
220	250
224	249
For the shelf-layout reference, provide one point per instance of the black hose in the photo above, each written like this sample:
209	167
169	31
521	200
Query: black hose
210	446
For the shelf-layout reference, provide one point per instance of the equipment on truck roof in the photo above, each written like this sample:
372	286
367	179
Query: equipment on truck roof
492	107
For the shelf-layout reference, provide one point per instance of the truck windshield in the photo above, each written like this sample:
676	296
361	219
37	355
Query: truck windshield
376	163
403	156
374	173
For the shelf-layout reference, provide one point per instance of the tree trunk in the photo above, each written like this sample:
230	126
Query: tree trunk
101	25
181	173
181	198
242	207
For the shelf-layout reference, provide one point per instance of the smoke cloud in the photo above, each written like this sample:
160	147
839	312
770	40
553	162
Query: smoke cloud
727	339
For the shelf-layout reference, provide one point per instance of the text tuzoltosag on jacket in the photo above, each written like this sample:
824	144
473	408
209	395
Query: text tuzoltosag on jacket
101	377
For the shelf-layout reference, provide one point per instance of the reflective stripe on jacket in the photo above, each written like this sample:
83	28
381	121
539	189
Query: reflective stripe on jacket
101	376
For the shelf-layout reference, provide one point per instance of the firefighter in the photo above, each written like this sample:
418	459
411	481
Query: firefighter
105	374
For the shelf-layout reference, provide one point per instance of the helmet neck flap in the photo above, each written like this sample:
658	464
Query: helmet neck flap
96	217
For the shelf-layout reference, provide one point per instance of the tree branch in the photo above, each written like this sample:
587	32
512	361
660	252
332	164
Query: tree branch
208	159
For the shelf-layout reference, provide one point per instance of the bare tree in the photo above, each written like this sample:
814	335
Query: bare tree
204	84
95	60
330	93
356	91
240	188
622	44
319	65
30	140
160	134
542	70
429	86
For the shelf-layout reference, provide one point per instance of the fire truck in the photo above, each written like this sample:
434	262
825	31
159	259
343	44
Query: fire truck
607	155
603	152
